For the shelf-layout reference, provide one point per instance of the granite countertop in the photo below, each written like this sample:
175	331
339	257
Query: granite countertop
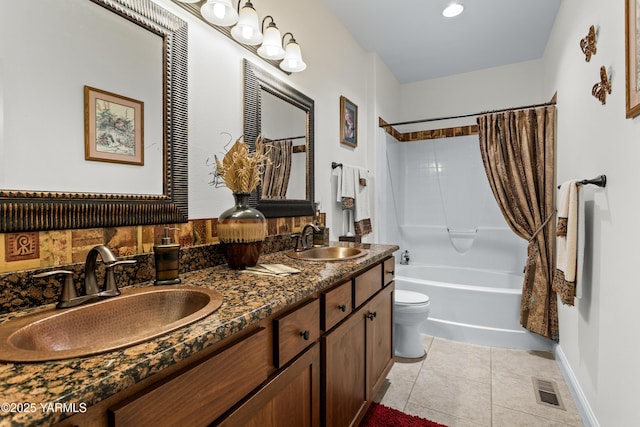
30	391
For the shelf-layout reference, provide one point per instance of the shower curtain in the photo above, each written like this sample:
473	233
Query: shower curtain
277	171
517	149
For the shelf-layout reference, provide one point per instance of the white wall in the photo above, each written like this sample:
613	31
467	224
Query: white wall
336	65
493	88
597	335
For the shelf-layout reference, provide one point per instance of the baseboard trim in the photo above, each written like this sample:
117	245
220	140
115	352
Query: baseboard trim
584	409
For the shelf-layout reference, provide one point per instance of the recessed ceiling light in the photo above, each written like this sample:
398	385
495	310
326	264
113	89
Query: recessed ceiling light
452	10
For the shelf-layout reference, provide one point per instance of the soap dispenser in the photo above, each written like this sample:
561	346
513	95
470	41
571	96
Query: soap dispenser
320	236
167	256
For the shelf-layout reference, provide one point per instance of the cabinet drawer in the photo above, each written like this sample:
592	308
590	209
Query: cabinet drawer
367	284
295	331
336	305
220	381
389	270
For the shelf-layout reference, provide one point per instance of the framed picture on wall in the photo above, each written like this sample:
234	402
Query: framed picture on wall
113	127
349	122
632	57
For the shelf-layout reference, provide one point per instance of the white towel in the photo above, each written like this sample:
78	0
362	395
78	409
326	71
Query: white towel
349	187
564	278
362	196
347	182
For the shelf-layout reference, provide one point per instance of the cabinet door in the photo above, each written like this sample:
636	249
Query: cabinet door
203	392
292	398
379	327
345	371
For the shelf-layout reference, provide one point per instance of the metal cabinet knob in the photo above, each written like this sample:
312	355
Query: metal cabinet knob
371	315
342	308
305	334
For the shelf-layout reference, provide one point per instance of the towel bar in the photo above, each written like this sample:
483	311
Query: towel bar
600	181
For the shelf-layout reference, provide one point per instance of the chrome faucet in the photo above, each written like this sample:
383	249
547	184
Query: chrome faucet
70	298
405	258
302	242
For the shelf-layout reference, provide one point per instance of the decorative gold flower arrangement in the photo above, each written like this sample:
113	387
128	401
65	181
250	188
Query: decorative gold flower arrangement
241	169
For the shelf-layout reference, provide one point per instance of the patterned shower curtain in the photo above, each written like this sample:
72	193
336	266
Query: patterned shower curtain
518	152
277	171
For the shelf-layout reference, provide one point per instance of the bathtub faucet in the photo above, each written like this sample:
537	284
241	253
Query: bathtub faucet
404	258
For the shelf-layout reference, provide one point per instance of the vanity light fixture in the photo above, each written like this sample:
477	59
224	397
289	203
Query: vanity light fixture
292	61
272	44
242	25
247	30
218	12
452	10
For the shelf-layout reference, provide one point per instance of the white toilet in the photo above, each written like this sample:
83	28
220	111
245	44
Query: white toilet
410	310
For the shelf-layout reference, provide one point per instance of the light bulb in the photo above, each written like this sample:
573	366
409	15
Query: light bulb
219	10
247	32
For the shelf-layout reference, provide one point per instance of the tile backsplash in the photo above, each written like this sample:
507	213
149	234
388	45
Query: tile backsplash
24	254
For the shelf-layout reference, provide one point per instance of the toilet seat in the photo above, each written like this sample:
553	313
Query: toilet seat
403	297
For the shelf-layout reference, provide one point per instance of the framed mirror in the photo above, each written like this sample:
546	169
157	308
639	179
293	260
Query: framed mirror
284	117
128	48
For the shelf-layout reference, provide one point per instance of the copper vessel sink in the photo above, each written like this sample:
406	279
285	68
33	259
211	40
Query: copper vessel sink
137	315
330	253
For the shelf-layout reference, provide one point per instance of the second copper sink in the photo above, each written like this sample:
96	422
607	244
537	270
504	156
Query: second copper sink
135	316
328	253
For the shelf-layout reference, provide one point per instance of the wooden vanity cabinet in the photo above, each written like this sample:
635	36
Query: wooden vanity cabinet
319	362
358	353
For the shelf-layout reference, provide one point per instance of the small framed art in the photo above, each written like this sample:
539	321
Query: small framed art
113	127
348	122
632	56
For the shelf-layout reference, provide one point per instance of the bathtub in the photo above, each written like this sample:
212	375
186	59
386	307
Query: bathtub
460	298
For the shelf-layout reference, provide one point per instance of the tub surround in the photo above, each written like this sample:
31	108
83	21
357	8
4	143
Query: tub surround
478	306
248	299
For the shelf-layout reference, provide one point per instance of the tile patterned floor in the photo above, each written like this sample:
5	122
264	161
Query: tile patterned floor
466	385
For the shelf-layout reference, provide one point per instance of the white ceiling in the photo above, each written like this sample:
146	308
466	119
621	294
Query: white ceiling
417	43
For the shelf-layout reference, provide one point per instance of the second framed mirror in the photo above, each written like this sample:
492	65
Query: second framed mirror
283	116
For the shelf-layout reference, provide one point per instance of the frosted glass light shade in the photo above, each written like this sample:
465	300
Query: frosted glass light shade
292	61
219	12
272	44
247	30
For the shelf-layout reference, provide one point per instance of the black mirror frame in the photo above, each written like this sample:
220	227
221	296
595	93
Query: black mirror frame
40	210
255	80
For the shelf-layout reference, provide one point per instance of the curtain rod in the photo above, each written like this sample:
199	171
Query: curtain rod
285	139
467	115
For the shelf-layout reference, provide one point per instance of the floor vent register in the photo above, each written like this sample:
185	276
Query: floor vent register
547	393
